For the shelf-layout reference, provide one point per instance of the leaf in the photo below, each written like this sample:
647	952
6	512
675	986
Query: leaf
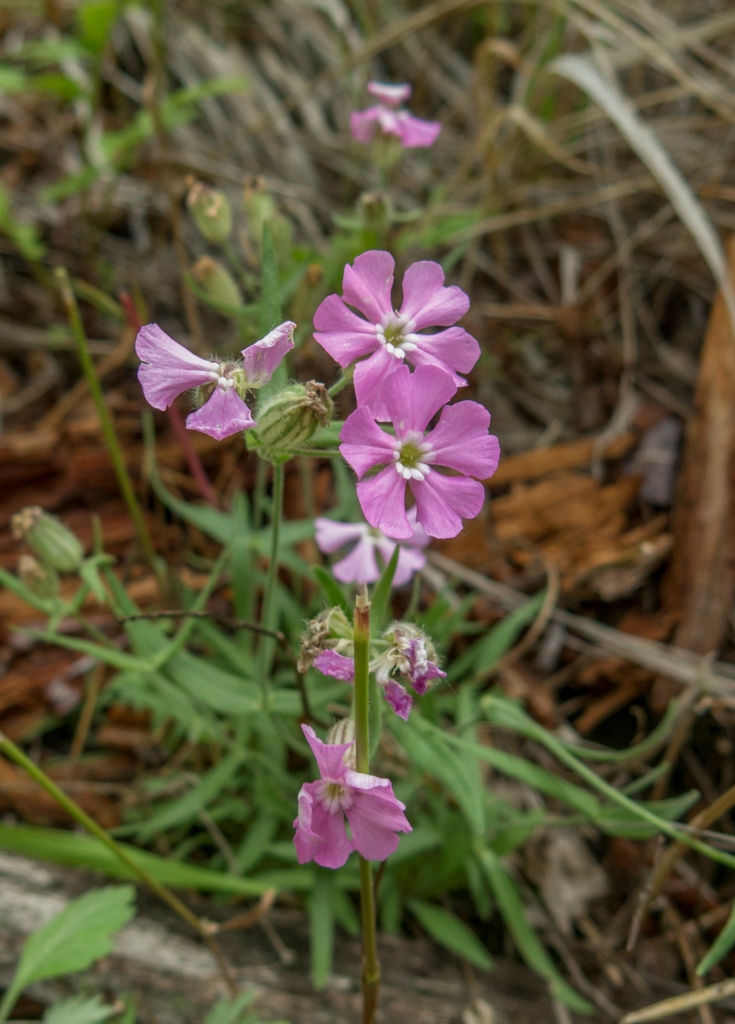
79	1010
485	653
720	947
380	602
270	302
229	1011
332	589
12	80
529	946
604	91
321	928
74	939
452	933
96	18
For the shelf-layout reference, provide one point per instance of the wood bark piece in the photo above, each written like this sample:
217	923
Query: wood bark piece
702	576
541	462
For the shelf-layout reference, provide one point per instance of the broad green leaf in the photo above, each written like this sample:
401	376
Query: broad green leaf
529	946
321	928
74	939
380	602
230	1011
79	1010
452	933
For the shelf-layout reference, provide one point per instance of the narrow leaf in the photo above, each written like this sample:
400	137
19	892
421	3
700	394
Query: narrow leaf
321	925
452	933
230	1011
79	1010
332	589
381	594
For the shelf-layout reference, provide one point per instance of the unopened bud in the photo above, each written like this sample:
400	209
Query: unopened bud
343	731
211	212
289	419
217	282
54	544
374	211
41	580
259	207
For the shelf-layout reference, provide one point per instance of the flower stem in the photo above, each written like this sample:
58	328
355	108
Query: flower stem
342	381
16	755
370	964
108	429
269	613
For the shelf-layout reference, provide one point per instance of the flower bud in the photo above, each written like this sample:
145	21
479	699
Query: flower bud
41	580
259	205
289	419
343	731
55	545
217	282
375	212
211	212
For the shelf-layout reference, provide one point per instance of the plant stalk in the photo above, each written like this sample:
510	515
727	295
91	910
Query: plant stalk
370	964
108	428
269	613
341	382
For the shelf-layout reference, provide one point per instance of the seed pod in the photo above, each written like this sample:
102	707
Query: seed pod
217	282
55	545
41	580
211	212
289	419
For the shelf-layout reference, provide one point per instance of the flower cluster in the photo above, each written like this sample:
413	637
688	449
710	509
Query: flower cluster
389	118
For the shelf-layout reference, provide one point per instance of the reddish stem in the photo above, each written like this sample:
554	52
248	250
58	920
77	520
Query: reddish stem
196	468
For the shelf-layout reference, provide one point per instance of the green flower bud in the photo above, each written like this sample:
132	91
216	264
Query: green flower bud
375	211
211	212
289	419
55	545
217	282
41	580
259	206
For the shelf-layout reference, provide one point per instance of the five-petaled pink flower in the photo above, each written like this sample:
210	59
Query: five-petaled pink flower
372	811
168	369
459	442
387	336
387	115
360	565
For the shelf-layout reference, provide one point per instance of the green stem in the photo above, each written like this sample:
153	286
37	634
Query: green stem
108	429
16	755
269	614
342	382
370	964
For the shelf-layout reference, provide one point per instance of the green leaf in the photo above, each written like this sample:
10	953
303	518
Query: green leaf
79	1010
529	946
720	947
381	594
452	933
483	656
321	928
74	939
230	1011
12	80
335	594
270	303
96	18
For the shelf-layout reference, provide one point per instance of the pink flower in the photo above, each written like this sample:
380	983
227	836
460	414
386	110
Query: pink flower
372	811
459	442
168	369
412	132
360	565
338	666
388	337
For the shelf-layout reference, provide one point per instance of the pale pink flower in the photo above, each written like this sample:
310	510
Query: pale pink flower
338	666
360	565
412	132
389	337
372	811
459	442
168	369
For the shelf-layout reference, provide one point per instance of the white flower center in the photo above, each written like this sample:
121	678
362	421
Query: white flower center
395	333
334	796
412	456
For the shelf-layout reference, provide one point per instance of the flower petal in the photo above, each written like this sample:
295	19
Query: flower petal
426	302
359	566
331	535
419	539
167	368
452	350
412	399
414	132
399	699
442	502
370	376
375	816
409	563
383	498
391	95
460	440
367	284
337	666
261	360
320	835
224	413
342	333
329	756
362	124
364	444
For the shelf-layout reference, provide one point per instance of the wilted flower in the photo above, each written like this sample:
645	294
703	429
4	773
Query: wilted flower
168	370
389	337
372	811
360	565
329	631
388	117
459	442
